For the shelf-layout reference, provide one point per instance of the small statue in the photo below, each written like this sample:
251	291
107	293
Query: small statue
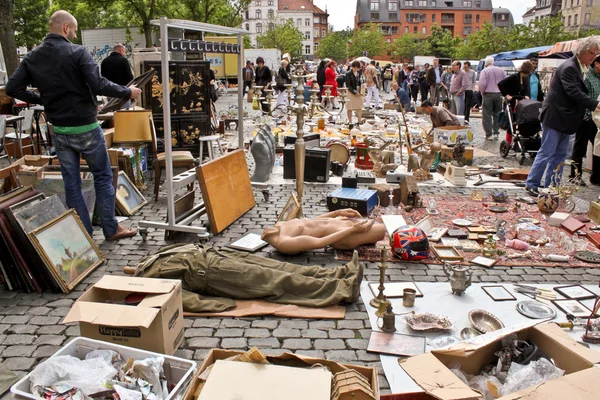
263	150
458	153
382	160
428	155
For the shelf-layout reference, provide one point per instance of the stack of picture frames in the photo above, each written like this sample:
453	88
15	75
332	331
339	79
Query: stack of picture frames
43	246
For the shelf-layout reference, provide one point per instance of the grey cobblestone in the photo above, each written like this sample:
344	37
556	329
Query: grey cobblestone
203	343
72	331
261	323
329	344
206	323
18	351
357	344
51	330
261	343
311	353
18	339
352	324
231	332
286	333
341	355
234	323
341	334
293	324
45	351
313	334
23	329
297	344
52	340
194	332
321	324
40	320
19	363
234	343
16	319
257	333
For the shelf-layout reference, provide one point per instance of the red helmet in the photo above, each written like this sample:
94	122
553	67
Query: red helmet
410	243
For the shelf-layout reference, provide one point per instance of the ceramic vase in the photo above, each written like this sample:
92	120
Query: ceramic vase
547	202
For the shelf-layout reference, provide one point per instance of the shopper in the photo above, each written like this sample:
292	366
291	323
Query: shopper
439	115
563	113
413	83
263	78
445	87
116	68
458	87
423	85
471	81
282	80
371	80
330	80
387	75
248	74
434	79
492	98
355	100
516	87
535	84
402	97
68	78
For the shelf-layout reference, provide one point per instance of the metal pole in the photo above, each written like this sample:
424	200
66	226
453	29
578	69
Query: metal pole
240	124
166	92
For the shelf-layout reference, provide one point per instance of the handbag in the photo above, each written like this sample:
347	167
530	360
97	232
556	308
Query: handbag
387	74
503	121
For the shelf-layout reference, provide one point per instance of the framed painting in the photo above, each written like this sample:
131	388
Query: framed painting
66	249
16	208
575	292
128	197
290	210
38	213
446	253
572	307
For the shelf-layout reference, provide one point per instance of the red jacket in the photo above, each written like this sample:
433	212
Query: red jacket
330	79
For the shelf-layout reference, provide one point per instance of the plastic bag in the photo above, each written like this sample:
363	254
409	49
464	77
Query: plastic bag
524	376
86	375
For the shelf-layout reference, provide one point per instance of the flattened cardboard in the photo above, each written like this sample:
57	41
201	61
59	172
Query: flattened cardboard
155	324
582	385
430	372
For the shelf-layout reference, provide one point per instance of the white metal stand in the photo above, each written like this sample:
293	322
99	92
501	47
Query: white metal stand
171	224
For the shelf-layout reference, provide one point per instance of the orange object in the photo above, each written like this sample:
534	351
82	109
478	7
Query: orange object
363	161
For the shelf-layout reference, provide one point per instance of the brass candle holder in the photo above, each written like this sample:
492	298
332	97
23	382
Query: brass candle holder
380	301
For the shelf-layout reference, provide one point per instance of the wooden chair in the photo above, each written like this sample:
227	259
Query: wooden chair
23	133
181	159
2	145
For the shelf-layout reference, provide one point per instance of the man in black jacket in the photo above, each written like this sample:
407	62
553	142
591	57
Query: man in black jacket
68	79
116	68
562	113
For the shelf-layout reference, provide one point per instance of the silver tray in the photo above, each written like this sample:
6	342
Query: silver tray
428	321
468	333
484	321
535	310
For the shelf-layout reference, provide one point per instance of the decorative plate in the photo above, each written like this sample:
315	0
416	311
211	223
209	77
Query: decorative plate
461	222
484	321
587	256
535	310
498	209
427	321
468	333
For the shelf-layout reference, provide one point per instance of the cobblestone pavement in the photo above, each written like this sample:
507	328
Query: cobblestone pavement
30	328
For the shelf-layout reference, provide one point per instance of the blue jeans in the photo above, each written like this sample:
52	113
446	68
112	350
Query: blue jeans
459	103
552	152
69	149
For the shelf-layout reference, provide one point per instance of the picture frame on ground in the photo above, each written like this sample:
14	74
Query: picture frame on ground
484	261
498	293
446	253
66	249
572	307
251	242
38	214
436	234
128	198
395	290
575	292
290	210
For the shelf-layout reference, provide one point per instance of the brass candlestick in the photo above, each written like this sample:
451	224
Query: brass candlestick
316	105
379	301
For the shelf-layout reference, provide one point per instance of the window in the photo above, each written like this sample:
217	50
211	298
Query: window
306	21
503	17
392	6
406	29
576	20
375	16
413	17
324	32
590	3
316	47
247	27
476	29
477	18
467	3
323	20
586	19
375	6
409	3
271	14
282	20
569	23
247	16
259	28
257	2
394	30
316	20
478	3
422	3
307	49
393	16
307	35
389	40
447	18
271	26
449	3
423	17
571	3
433	17
258	14
468	19
270	3
432	3
415	29
299	22
424	31
467	30
316	32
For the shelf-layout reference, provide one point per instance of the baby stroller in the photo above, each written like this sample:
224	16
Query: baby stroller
525	136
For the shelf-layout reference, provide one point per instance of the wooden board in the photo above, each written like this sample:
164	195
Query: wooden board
226	189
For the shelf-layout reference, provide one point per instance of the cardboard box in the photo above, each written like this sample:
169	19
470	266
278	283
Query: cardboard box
450	134
581	380
287	359
446	155
594	212
29	177
154	324
390	106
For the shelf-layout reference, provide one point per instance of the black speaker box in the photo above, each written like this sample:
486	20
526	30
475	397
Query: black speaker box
316	165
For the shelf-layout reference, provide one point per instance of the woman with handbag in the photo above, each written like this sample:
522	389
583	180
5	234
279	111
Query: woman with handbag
515	87
283	78
387	76
355	100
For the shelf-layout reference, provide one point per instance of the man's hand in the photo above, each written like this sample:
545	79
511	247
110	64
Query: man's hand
135	92
363	226
348	213
509	97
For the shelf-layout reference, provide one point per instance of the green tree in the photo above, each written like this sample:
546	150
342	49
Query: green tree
406	46
31	22
334	46
219	12
7	36
248	42
368	38
441	43
488	40
541	32
284	37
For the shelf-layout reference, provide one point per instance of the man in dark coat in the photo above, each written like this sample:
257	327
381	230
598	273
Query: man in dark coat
563	112
116	68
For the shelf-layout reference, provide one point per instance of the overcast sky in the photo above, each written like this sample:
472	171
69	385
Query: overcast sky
341	12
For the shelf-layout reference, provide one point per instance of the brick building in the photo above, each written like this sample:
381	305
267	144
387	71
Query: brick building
396	17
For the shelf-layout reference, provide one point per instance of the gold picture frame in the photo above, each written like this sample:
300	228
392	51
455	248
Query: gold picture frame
127	196
446	253
66	236
290	210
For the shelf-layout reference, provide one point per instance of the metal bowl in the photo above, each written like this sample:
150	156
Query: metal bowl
484	321
427	321
499	197
468	333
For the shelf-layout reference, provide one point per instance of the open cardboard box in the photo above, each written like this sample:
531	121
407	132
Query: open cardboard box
581	381
154	324
29	177
286	359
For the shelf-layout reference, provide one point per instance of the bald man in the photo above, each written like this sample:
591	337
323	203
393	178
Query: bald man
116	68
68	79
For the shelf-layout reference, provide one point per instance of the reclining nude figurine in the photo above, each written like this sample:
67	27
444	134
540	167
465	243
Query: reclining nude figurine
341	229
